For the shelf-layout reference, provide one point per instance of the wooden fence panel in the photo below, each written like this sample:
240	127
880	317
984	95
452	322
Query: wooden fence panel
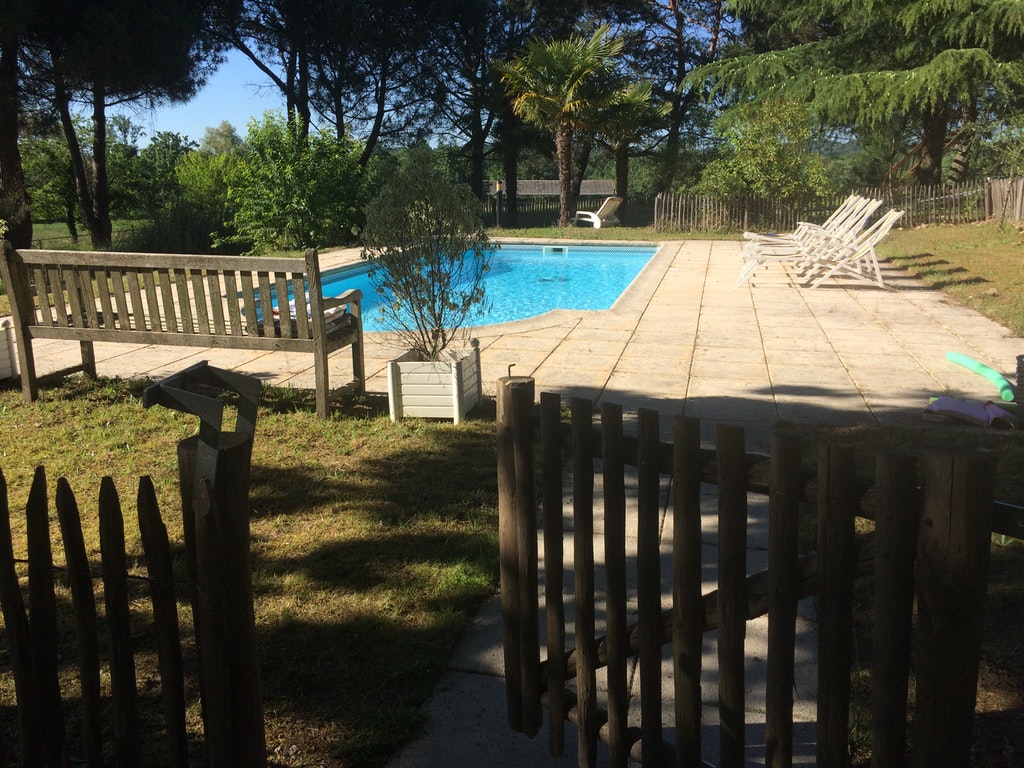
957	507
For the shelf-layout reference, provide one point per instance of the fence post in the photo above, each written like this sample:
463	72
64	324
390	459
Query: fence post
42	611
838	503
19	640
784	585
214	470
517	544
896	522
732	592
954	546
554	565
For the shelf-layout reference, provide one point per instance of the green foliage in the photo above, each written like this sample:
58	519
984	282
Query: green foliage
425	240
289	191
768	153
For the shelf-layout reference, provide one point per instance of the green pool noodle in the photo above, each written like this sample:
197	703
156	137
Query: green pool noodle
1004	387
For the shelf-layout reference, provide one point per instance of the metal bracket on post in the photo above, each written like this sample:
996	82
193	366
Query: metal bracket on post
193	391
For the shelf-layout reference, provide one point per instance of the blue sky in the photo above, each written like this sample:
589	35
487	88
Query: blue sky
237	92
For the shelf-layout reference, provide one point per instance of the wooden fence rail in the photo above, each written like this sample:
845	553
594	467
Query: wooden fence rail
930	547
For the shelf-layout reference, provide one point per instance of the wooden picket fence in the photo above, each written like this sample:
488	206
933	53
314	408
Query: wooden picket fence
930	548
218	585
964	203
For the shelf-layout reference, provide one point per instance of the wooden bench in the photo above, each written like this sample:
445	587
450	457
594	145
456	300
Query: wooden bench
180	300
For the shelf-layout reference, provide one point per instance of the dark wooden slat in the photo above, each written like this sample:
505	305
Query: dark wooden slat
302	309
526	534
56	299
617	641
648	558
160	567
687	607
122	659
84	280
583	570
783	570
508	545
732	599
836	512
83	600
214	290
249	302
42	297
953	554
42	611
554	559
896	521
19	640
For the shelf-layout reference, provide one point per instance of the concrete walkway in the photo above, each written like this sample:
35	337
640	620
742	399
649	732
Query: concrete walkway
686	339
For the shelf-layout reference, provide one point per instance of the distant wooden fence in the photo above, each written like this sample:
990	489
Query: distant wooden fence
932	543
217	561
940	204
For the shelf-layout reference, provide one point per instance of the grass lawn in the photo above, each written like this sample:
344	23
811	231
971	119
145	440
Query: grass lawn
374	542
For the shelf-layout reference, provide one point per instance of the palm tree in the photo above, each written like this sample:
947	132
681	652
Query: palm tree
562	86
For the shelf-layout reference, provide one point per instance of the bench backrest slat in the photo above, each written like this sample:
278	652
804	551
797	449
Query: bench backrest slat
281	286
202	316
106	304
118	282
230	293
266	305
152	300
213	289
184	301
301	308
138	313
166	280
248	302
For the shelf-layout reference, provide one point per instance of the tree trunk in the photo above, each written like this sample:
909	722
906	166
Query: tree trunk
14	204
83	190
102	230
622	177
933	140
582	146
563	150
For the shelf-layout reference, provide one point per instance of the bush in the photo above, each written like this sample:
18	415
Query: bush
429	253
290	191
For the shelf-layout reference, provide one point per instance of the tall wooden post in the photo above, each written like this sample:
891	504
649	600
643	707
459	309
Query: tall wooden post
214	470
953	552
517	540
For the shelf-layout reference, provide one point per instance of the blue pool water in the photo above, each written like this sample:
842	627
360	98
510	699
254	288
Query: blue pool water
527	280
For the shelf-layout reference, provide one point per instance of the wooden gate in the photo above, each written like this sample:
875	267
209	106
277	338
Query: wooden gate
929	548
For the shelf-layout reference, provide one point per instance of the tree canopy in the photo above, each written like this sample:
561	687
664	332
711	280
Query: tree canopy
860	65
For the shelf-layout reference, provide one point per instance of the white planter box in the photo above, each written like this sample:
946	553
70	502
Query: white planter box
435	389
8	350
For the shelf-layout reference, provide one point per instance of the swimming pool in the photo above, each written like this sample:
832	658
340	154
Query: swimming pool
526	280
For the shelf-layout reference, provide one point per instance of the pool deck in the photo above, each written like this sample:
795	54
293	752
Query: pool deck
684	338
